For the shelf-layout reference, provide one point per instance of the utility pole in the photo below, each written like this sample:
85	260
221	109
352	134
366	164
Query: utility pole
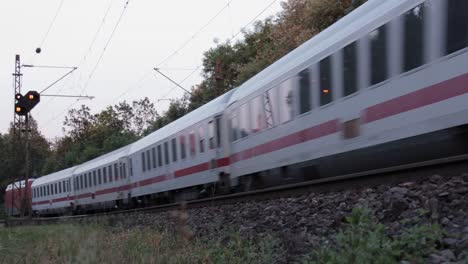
21	125
18	122
219	78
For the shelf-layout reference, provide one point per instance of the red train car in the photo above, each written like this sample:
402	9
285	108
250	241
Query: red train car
14	197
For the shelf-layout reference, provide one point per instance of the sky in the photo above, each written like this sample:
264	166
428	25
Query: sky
113	65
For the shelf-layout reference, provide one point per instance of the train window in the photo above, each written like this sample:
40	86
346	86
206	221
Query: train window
257	115
234	126
166	152
457	25
201	140
153	150
90	182
124	168
99	176
94	178
104	174
64	186
130	165
218	131
143	161
174	149
244	123
270	103
413	38
325	81
304	92
110	173
69	185
116	171
160	163
182	146
192	143
121	171
81	182
286	101
350	74
378	44
148	159
211	133
56	188
48	189
60	187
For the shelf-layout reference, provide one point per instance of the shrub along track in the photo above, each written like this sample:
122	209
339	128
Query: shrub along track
448	167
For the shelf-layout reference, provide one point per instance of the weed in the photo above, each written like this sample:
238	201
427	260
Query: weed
365	241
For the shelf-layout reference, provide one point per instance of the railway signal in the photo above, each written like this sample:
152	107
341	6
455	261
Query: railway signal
24	104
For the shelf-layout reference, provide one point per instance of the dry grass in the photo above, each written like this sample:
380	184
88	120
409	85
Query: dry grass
97	244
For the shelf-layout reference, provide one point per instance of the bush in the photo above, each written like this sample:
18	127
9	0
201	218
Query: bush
365	241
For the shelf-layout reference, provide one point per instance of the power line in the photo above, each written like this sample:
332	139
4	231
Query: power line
233	37
91	75
97	32
186	78
92	42
194	35
98	62
182	46
253	20
52	23
174	82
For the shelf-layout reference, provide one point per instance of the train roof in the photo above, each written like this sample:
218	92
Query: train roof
17	185
373	13
103	160
53	177
209	109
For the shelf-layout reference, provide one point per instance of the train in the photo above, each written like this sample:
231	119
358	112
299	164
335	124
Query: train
385	85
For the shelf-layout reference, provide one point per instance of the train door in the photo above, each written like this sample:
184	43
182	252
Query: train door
215	141
125	170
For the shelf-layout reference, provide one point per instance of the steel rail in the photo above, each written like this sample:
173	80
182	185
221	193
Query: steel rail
443	164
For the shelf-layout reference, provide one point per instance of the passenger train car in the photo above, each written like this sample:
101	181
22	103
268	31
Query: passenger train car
385	85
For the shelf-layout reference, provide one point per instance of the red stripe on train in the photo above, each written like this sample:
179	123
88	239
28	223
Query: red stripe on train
427	96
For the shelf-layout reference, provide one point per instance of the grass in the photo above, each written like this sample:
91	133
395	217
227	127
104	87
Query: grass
96	244
362	240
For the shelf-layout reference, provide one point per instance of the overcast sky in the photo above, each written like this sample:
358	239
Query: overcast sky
149	32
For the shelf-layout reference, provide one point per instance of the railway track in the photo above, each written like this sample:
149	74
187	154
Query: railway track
450	166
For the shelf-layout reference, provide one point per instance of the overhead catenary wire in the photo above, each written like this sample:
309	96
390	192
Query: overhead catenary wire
144	76
182	46
190	39
85	56
91	75
254	19
51	24
231	38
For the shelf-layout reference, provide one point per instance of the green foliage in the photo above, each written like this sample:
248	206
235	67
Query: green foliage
365	241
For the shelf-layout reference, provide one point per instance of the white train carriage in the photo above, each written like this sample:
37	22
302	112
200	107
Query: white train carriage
386	84
53	194
104	182
184	154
